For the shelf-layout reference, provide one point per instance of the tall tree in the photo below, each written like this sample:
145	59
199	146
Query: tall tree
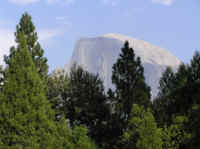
82	100
167	82
168	102
195	67
26	118
182	99
130	88
27	27
25	112
163	101
191	94
128	78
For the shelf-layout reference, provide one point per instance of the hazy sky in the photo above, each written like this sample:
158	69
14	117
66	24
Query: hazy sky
170	24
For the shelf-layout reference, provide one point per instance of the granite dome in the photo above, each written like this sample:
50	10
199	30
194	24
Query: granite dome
97	55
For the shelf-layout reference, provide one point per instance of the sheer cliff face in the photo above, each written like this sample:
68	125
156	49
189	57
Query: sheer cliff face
97	55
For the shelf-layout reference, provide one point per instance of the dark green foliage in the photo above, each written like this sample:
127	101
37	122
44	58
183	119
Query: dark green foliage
87	102
167	82
57	91
182	98
128	78
163	102
175	136
179	91
192	104
26	27
194	69
130	88
82	100
171	87
194	127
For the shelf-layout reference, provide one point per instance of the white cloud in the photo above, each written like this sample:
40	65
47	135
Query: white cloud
60	1
60	18
23	2
48	34
26	2
164	2
64	21
108	2
6	41
111	2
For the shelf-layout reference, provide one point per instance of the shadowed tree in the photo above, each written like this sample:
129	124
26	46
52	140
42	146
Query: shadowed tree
80	98
130	88
128	78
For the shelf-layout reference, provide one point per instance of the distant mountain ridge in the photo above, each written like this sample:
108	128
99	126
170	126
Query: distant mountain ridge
97	55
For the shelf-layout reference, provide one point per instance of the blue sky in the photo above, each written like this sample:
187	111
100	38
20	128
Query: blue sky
170	24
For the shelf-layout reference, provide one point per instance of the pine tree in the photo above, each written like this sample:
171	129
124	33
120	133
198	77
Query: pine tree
191	94
26	118
80	98
175	136
57	91
169	102
130	88
163	102
25	113
85	103
166	83
128	78
142	132
182	98
27	27
195	68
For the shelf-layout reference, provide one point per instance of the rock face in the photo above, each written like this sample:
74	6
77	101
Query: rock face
97	55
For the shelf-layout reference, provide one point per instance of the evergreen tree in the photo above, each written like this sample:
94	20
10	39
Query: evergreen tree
175	136
193	126
81	140
142	132
167	82
182	99
182	86
26	118
191	94
130	88
83	102
169	102
128	78
27	27
57	91
195	68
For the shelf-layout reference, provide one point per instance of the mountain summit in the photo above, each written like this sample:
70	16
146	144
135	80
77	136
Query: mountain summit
97	55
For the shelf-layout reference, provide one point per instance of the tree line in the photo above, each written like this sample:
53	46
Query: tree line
39	110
